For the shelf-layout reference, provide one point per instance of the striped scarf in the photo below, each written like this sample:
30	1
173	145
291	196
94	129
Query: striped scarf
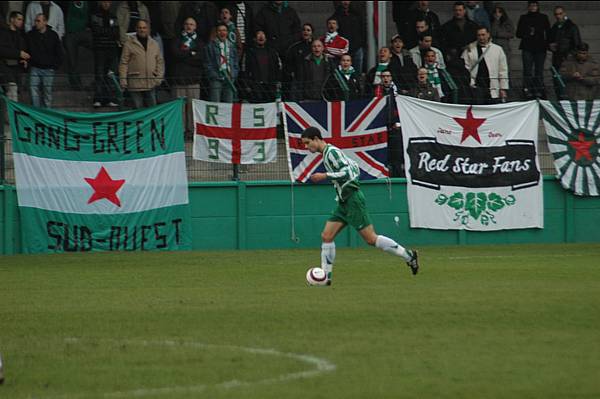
433	77
380	68
346	73
188	40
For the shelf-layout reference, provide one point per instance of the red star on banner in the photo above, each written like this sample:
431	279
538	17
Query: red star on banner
470	125
582	148
105	187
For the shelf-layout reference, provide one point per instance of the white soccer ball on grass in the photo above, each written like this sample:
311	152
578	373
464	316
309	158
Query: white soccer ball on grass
316	276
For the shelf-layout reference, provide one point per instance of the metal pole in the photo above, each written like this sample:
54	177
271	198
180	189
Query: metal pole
382	32
3	108
371	42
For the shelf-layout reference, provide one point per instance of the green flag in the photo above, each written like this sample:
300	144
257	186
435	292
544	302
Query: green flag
101	182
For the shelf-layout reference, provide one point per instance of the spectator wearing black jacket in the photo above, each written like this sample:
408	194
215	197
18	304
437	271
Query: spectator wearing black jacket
400	13
533	29
351	25
403	66
105	44
13	54
205	13
280	24
262	70
316	69
187	53
424	14
459	31
46	52
563	38
294	58
344	83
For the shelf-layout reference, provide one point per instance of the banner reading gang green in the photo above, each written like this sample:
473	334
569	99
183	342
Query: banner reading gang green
101	182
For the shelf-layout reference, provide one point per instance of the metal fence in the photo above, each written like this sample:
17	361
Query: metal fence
81	99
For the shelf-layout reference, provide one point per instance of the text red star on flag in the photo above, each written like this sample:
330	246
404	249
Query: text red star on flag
105	187
582	148
470	125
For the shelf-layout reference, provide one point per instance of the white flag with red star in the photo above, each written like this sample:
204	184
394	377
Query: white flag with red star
472	167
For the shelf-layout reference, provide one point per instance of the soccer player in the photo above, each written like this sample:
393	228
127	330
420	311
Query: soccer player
351	208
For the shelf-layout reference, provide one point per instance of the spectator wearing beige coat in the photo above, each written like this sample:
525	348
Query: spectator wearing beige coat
128	14
142	67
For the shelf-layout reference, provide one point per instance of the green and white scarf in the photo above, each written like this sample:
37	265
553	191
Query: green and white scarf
188	40
433	77
380	68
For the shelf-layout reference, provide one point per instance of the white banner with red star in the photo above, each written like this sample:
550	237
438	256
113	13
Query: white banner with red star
101	182
235	133
573	130
472	167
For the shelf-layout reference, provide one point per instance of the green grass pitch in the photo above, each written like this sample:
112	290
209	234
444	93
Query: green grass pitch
477	322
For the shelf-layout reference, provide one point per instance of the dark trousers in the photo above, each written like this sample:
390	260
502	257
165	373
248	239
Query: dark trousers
533	72
72	43
105	60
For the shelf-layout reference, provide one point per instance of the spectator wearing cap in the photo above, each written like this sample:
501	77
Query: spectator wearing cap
486	62
402	66
459	31
54	16
425	44
424	90
533	29
581	75
351	25
423	19
294	58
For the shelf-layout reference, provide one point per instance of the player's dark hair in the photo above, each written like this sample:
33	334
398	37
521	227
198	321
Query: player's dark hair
311	132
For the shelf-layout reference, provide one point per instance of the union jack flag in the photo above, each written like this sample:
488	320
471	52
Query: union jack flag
356	127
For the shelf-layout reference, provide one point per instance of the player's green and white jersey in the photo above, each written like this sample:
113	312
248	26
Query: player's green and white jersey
342	171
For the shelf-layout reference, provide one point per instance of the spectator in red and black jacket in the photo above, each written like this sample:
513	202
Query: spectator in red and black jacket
280	24
351	25
13	54
459	31
262	70
105	44
335	44
533	29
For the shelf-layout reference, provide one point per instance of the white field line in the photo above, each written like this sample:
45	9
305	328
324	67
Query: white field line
319	366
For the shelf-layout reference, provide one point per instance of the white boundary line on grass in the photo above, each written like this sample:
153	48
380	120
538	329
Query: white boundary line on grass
320	366
510	256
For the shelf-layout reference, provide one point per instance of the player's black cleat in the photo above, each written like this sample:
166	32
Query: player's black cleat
413	263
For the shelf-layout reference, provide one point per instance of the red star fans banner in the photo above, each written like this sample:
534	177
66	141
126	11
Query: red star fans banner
573	130
472	167
235	133
101	182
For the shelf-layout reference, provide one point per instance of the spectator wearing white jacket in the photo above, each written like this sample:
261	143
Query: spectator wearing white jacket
53	13
486	62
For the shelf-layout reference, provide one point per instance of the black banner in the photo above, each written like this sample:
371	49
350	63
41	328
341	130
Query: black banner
433	164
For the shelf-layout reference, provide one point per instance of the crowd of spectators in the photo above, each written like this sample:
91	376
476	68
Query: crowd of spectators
227	51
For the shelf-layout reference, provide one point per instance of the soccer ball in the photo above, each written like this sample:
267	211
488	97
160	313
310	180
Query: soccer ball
316	276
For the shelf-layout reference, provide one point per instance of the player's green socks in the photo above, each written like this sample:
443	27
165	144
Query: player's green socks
391	246
327	258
